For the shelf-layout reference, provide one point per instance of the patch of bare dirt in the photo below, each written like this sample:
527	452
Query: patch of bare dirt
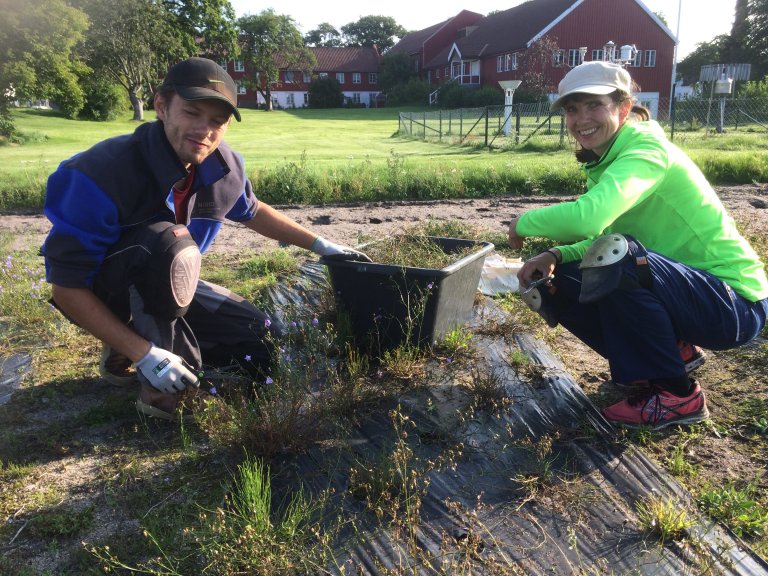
345	222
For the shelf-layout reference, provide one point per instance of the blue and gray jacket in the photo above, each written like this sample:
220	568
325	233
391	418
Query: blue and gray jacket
126	181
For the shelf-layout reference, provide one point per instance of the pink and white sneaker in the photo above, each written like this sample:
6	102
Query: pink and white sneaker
658	409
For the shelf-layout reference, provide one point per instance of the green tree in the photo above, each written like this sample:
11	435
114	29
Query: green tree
396	69
37	59
325	93
757	36
705	53
735	49
269	42
133	42
324	35
205	27
370	30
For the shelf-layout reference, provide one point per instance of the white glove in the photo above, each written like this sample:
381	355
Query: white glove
323	247
166	371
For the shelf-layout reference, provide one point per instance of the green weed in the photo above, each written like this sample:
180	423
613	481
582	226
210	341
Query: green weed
741	509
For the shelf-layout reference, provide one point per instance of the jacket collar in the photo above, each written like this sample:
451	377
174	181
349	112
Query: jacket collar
166	166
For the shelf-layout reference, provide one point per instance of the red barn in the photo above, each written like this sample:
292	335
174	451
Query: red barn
479	51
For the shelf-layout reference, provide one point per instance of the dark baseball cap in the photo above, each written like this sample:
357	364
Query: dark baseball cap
202	79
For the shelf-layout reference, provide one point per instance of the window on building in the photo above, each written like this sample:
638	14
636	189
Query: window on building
289	76
340	77
558	58
373	77
447	71
507	62
357	78
513	64
598	54
239	66
574	57
638	61
241	88
499	63
437	73
291	101
306	98
650	58
323	75
307	78
223	63
356	97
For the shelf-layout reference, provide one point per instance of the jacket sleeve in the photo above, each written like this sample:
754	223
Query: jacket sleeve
84	225
631	177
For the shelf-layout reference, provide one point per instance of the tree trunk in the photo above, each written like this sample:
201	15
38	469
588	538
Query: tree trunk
137	105
268	98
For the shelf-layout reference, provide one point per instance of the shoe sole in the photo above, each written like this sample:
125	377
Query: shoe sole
148	410
113	379
700	416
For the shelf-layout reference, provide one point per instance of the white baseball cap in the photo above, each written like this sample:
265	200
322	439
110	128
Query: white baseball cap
593	77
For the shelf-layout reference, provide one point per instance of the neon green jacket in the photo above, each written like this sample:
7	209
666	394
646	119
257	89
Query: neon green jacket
647	187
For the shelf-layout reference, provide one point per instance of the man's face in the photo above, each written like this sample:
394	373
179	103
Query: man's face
195	128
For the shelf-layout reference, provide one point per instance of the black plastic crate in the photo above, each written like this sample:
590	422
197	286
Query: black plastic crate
379	299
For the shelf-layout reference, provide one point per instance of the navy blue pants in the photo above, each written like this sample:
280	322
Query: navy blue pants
637	329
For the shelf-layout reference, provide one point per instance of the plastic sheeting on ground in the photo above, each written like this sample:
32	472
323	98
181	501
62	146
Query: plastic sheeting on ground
511	503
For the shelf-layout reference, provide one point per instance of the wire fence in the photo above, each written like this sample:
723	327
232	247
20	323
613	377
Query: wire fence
533	125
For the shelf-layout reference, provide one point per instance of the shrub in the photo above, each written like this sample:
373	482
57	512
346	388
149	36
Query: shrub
456	96
414	91
104	100
325	93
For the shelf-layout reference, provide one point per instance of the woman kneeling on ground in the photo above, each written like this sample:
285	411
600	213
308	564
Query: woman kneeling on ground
648	266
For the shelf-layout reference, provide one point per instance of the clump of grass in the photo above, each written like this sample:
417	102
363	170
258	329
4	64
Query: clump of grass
413	250
55	523
665	518
283	410
253	276
249	535
487	390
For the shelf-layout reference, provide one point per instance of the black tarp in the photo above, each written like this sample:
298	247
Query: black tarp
500	508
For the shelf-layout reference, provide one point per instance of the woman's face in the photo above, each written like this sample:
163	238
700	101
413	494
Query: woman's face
594	119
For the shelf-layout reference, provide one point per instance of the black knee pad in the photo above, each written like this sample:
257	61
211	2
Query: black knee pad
169	283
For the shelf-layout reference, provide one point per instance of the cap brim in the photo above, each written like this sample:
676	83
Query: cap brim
600	89
198	93
598	282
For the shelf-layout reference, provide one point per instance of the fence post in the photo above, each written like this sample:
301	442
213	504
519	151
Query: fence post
672	124
461	123
486	126
425	126
517	126
440	126
562	130
410	117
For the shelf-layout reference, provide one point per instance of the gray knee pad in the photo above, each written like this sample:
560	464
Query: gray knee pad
171	277
602	268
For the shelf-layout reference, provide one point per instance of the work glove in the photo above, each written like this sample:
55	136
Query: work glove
333	251
166	371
